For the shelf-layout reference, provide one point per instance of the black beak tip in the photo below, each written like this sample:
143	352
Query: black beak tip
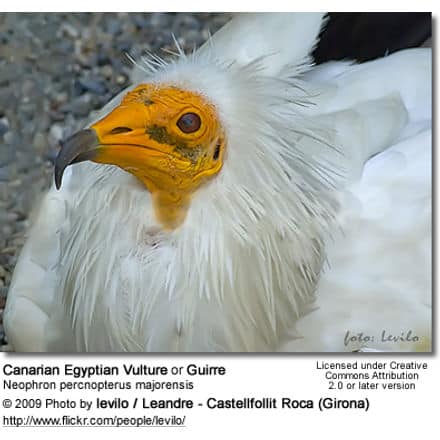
58	177
59	170
74	149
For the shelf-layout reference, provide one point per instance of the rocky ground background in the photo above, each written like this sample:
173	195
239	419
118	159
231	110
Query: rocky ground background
55	69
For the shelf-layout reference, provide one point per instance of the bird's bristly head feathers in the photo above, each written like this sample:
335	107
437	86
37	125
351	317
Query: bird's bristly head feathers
196	120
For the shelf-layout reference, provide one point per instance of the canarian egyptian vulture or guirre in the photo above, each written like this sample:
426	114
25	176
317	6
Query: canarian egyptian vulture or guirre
221	204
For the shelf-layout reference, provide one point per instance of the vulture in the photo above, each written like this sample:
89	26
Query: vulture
240	198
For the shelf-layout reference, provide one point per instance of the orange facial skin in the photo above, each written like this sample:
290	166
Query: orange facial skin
170	139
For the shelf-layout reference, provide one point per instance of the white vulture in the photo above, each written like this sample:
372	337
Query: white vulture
221	203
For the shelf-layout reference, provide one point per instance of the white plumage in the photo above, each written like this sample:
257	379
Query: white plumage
98	273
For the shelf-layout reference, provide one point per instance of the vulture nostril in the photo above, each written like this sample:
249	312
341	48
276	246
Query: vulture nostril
119	130
216	152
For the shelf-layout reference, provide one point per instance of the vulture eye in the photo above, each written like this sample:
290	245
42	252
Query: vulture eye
189	122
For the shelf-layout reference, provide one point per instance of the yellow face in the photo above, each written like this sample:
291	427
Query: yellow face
170	139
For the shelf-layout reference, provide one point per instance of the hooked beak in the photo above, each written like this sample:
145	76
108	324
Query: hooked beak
116	139
77	148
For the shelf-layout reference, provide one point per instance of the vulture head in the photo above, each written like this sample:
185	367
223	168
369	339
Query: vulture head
170	138
229	130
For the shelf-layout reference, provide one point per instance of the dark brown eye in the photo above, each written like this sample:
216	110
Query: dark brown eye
189	122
